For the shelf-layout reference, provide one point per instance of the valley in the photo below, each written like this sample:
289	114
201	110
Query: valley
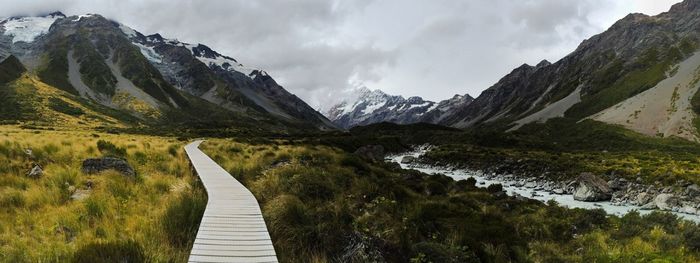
121	146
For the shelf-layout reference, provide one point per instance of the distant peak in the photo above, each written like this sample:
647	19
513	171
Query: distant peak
259	73
685	6
543	63
55	14
155	38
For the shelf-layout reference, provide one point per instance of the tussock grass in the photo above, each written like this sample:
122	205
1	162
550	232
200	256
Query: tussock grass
322	204
122	219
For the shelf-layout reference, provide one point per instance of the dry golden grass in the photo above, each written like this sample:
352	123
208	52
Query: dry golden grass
38	94
38	220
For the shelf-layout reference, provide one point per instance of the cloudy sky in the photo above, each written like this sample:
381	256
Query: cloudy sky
316	48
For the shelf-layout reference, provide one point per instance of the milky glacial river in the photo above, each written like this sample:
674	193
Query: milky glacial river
511	189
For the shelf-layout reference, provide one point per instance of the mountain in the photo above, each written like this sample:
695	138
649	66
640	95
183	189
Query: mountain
642	73
150	78
363	106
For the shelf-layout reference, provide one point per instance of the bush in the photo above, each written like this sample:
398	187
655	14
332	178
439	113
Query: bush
495	188
434	252
95	207
64	107
12	198
182	217
435	188
109	149
115	251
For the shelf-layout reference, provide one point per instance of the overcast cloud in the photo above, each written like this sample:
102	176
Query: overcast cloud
314	48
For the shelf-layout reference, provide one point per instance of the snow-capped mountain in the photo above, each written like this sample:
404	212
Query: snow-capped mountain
116	66
363	106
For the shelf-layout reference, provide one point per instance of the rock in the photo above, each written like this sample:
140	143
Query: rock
36	172
29	153
279	163
408	159
590	188
373	153
665	201
617	184
89	184
80	194
643	198
96	165
692	190
648	206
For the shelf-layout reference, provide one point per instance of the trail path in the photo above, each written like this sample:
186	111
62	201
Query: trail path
232	228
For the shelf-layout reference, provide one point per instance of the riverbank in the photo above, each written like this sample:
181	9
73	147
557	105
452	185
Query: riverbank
682	199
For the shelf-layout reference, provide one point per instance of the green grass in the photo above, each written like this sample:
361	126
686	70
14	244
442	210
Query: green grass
322	204
62	106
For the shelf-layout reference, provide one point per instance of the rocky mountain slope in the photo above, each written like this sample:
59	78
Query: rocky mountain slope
151	78
363	106
640	73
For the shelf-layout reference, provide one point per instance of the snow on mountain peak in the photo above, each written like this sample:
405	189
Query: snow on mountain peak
26	29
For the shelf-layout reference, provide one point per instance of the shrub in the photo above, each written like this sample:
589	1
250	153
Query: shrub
109	149
425	252
12	198
182	217
435	188
312	186
95	207
115	251
495	188
64	107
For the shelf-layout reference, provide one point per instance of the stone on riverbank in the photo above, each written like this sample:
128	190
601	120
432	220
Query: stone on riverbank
666	201
408	159
590	188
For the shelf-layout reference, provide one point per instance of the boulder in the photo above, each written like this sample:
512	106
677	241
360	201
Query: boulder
590	188
643	198
617	184
666	201
374	153
36	172
96	165
692	190
408	159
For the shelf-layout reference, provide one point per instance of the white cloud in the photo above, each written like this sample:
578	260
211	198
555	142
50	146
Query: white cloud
315	48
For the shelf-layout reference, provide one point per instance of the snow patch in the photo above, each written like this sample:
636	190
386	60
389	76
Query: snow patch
371	108
127	30
222	61
27	29
149	53
425	104
81	17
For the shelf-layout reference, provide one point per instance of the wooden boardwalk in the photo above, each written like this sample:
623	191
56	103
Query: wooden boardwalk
232	228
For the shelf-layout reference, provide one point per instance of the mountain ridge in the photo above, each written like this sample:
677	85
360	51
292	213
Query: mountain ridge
111	64
362	106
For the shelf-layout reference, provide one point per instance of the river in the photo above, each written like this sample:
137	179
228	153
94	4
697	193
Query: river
566	200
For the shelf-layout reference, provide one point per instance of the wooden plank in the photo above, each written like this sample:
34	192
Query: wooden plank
219	259
232	228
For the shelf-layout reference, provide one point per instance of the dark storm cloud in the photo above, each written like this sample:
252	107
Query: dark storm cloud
318	47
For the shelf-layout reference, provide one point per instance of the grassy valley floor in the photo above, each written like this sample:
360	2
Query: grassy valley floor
323	204
152	217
